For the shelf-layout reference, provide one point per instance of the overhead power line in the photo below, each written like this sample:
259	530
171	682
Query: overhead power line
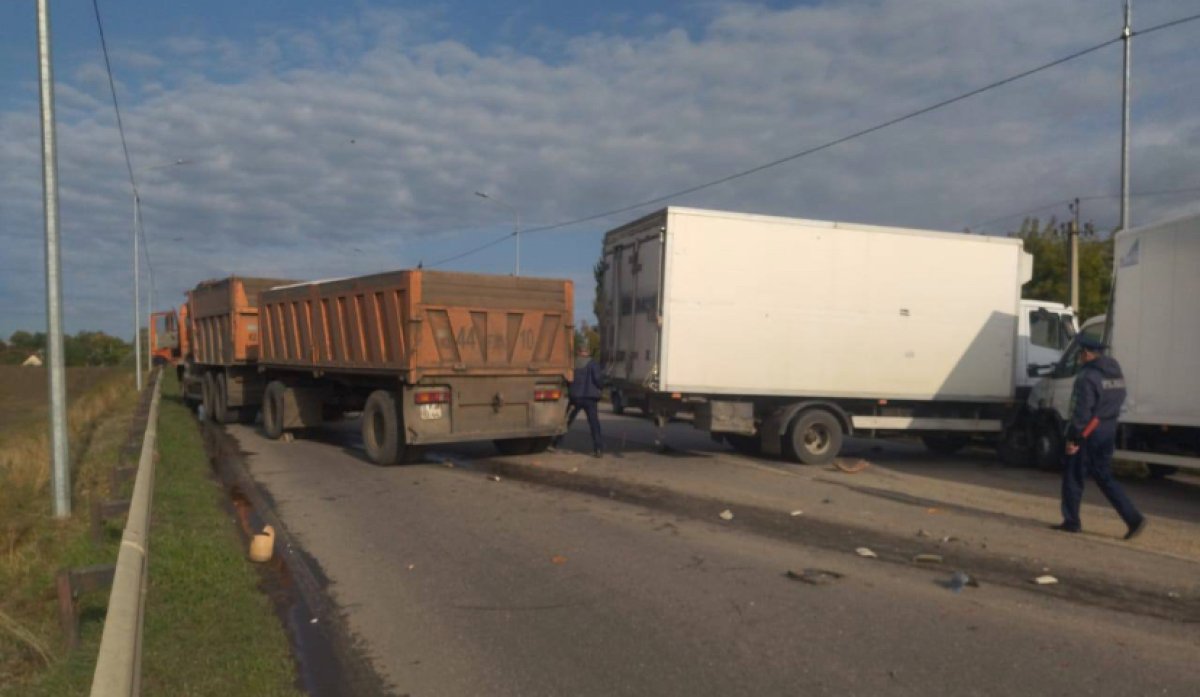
824	146
1096	197
112	87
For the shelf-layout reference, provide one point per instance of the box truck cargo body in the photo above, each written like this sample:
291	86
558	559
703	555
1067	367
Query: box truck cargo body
1153	330
787	334
428	357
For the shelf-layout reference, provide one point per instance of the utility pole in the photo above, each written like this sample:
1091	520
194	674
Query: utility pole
1127	36
137	305
1073	256
60	472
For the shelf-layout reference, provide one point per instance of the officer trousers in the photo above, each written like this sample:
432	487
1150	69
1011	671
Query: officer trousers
590	407
1094	458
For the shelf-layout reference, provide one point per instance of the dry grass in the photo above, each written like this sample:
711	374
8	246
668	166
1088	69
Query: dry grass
33	545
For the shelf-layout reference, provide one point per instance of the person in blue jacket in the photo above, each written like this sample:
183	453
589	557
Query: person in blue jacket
1091	438
584	395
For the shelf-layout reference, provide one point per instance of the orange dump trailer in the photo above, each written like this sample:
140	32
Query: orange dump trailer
222	333
427	357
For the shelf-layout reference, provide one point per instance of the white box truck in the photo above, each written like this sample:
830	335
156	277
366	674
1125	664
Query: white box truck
1154	332
783	335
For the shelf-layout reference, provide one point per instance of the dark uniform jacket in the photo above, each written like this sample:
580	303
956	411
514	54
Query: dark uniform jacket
587	382
1099	393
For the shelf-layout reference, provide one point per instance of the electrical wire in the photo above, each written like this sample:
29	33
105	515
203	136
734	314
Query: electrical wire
1096	197
824	146
112	87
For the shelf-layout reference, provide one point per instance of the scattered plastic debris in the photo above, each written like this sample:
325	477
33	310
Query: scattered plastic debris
932	511
313	621
411	567
949	538
815	577
494	477
1173	595
850	466
927	559
726	514
1045	580
866	553
558	559
797	512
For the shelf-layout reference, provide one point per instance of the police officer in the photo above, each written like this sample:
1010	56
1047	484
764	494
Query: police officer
1091	438
584	395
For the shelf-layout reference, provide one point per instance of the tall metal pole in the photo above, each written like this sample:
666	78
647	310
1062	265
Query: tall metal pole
1127	35
137	304
1073	251
60	472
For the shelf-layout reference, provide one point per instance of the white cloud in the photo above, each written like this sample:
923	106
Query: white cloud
372	133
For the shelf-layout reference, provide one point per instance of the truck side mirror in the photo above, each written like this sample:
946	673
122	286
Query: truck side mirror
1037	370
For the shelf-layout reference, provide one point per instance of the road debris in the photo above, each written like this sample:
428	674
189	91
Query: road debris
949	538
288	437
850	466
960	580
866	553
1045	580
814	577
726	514
927	559
797	512
493	477
922	532
558	559
411	567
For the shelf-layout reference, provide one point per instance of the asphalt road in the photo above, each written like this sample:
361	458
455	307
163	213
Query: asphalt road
456	584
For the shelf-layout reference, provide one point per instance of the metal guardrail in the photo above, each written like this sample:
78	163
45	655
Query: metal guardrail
119	664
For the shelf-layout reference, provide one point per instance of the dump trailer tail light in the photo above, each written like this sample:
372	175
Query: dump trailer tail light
439	396
547	394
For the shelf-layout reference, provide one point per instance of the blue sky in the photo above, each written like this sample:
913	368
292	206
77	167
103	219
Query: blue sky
329	139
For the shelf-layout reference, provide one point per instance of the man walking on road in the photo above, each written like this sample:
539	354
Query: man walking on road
584	395
1091	438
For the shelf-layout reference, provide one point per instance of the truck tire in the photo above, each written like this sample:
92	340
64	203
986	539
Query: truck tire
381	428
815	437
1048	446
221	412
944	444
272	409
1015	447
522	446
208	392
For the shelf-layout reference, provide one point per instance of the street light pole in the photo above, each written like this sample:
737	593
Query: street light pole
137	297
60	472
516	227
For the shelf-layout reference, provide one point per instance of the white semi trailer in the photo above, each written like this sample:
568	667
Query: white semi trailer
783	335
1154	332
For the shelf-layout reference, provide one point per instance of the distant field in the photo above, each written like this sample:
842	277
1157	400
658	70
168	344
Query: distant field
23	392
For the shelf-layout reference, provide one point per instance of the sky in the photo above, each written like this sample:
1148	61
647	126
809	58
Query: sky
304	139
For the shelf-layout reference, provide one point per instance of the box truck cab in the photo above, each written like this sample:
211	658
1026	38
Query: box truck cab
1153	330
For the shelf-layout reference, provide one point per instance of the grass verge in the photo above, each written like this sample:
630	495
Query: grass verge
209	629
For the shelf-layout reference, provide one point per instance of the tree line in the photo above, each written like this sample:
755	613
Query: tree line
82	349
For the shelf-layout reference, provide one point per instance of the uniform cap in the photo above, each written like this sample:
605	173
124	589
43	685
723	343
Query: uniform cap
1090	343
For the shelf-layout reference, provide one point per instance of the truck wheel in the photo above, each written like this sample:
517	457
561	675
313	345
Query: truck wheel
208	390
746	445
943	444
1048	446
815	438
221	400
381	428
272	410
1015	448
